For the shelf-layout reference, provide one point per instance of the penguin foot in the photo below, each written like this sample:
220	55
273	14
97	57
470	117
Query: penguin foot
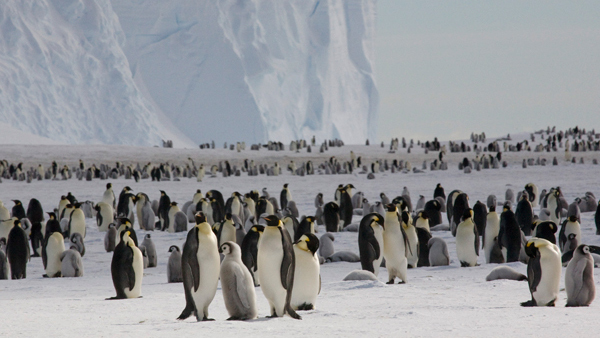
205	319
390	282
528	303
234	318
272	316
401	282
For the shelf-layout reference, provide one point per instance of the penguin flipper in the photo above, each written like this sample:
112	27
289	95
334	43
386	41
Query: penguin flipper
191	278
288	262
476	240
534	273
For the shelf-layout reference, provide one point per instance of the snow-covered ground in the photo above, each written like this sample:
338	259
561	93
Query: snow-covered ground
437	301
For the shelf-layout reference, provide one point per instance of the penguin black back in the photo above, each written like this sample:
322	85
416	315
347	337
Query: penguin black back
345	209
304	227
510	235
17	251
250	249
368	246
432	211
480	217
18	211
331	216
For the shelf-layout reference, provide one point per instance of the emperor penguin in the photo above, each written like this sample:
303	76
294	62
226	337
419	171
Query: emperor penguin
532	192
555	206
579	278
307	278
422	221
467	240
543	272
105	215
71	263
170	221
150	250
326	247
492	229
174	265
77	221
62	204
18	210
227	231
54	246
17	251
110	238
237	284
201	173
395	246
164	205
250	251
570	226
285	196
370	242
509	235
524	214
200	265
127	268
143	209
438	252
276	260
412	256
109	196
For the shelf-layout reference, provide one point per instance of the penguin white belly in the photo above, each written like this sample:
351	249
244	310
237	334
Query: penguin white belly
289	226
227	234
413	241
108	198
270	257
210	268
78	223
306	279
138	270
138	209
547	289
54	248
235	206
573	228
492	229
394	252
171	225
5	227
552	204
379	237
465	246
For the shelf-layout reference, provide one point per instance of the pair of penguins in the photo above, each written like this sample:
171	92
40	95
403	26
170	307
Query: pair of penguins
202	268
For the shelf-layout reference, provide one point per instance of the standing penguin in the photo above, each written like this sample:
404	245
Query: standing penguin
105	215
285	196
370	242
570	226
54	246
109	196
35	214
579	278
395	246
237	284
307	278
543	272
164	205
532	192
509	235
433	212
250	251
4	268
17	251
524	214
490	234
77	221
110	238
467	240
227	231
331	217
127	268
276	260
145	214
346	209
150	250
200	264
412	256
18	210
555	205
174	265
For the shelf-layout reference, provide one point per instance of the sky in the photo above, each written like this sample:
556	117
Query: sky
449	68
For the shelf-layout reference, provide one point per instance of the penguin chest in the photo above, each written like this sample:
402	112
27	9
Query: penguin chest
138	270
235	206
306	278
228	233
54	248
547	289
270	258
465	245
78	223
209	263
394	248
573	228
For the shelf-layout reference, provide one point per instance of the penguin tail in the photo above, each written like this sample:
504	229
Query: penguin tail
291	312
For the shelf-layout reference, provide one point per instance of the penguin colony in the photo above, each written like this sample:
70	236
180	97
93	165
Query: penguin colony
391	230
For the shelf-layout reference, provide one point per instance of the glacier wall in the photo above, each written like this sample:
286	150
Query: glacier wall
255	70
64	76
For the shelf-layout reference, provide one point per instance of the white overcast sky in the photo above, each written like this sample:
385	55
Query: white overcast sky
447	68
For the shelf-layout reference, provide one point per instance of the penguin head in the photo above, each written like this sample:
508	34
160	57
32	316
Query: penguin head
173	248
200	217
308	242
381	195
77	205
231	248
111	226
583	249
506	206
108	186
572	236
422	215
257	228
573	218
533	246
377	219
173	204
310	219
162	193
272	220
51	215
390	207
126	222
285	185
17	223
350	186
17	202
228	216
492	208
468	213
